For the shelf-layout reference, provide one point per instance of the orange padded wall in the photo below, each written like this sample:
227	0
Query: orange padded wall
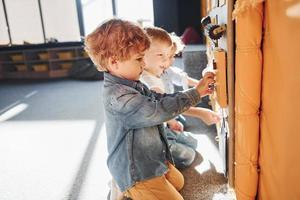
280	117
248	67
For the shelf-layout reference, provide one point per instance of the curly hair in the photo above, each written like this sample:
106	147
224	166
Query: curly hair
115	38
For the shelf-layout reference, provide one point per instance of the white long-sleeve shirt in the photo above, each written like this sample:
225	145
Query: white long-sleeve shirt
174	76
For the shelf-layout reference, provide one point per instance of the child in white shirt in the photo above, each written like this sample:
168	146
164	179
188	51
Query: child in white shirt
182	144
175	76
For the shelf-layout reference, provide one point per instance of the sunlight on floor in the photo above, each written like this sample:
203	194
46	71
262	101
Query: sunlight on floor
31	94
210	155
203	167
228	196
15	108
12	112
98	177
40	159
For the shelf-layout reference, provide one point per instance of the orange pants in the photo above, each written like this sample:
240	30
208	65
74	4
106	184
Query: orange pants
164	187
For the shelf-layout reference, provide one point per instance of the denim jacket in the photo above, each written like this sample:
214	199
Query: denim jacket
137	145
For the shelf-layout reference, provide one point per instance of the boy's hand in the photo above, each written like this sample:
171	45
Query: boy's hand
175	125
209	117
206	85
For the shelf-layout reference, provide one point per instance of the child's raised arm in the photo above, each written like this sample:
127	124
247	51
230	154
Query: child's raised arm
192	82
143	111
208	116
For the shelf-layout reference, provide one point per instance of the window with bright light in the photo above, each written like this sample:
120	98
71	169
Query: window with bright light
4	38
95	12
24	21
60	20
136	10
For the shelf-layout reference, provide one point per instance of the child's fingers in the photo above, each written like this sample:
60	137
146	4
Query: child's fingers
209	75
210	84
217	119
208	78
210	81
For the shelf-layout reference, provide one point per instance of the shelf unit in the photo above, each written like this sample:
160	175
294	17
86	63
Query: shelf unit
40	61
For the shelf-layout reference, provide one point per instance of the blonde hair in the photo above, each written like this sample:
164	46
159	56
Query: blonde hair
158	34
174	49
115	38
178	45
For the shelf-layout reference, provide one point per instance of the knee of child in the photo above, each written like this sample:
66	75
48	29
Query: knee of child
183	155
184	164
180	183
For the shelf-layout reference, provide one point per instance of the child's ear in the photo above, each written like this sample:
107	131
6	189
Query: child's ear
112	60
113	63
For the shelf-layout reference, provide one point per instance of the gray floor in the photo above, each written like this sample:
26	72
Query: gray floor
52	145
52	141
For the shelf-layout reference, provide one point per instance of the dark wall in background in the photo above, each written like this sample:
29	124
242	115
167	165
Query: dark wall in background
189	14
166	15
177	15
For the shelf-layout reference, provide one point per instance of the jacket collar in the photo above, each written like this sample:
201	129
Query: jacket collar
118	80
